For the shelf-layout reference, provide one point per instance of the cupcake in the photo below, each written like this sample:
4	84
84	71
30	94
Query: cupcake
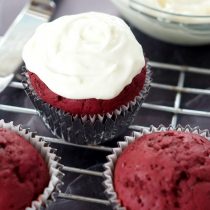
29	171
161	168
86	75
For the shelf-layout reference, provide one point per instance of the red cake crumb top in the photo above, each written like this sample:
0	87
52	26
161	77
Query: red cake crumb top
165	171
88	106
23	172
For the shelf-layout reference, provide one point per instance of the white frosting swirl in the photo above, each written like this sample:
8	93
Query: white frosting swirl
89	55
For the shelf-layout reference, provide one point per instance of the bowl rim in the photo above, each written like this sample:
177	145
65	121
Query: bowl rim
139	3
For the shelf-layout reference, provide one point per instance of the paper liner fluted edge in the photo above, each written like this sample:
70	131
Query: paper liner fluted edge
109	166
51	192
125	114
142	95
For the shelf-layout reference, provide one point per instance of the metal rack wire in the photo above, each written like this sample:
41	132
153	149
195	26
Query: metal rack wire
175	110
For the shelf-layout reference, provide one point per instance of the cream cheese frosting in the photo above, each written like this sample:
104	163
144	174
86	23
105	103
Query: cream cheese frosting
88	55
184	7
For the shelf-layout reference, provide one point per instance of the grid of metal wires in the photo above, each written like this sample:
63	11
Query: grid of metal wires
175	110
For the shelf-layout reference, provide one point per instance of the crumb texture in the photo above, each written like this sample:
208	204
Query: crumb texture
88	106
165	171
23	172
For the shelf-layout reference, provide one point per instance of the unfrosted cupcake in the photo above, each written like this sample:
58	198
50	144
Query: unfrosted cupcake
28	170
162	168
87	76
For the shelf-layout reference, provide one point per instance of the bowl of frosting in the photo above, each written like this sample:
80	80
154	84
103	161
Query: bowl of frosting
185	22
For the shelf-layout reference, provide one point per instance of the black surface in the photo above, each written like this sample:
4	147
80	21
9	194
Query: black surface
155	50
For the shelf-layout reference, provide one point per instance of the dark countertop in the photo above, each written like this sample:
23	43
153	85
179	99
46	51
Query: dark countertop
155	50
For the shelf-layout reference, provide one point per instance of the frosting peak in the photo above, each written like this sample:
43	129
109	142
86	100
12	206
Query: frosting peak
89	55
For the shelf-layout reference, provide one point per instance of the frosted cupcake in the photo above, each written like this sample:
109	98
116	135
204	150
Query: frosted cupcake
87	76
29	171
160	168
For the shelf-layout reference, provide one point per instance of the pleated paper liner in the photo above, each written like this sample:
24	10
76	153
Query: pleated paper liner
87	129
51	191
110	165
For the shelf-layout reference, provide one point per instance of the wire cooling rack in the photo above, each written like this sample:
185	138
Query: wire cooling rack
175	110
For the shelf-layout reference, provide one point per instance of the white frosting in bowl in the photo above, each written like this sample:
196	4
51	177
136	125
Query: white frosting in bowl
89	55
184	7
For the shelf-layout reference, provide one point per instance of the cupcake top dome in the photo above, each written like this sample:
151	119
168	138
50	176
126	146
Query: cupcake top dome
23	172
165	170
88	55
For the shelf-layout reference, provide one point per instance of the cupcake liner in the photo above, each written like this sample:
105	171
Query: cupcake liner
110	165
51	191
88	129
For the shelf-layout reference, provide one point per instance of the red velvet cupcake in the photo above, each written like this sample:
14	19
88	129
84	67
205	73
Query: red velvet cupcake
90	79
91	106
26	178
161	169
